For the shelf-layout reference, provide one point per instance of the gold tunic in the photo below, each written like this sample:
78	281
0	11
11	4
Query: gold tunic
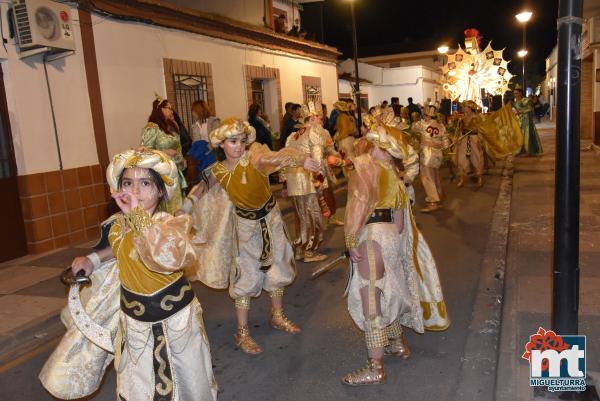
247	187
133	273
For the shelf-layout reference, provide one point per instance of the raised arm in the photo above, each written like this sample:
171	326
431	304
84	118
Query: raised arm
164	245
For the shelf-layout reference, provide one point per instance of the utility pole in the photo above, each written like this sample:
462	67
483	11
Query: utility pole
357	81
565	303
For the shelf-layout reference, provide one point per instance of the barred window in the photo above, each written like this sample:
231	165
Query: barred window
312	93
188	89
258	93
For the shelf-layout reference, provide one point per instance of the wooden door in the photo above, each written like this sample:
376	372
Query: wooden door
12	238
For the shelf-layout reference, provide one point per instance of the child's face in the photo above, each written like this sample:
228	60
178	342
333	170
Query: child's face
235	146
139	182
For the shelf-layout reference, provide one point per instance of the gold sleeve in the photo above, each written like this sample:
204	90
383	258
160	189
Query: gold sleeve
268	162
164	246
361	198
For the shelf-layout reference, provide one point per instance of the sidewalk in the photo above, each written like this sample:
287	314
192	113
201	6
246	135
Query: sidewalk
528	281
32	296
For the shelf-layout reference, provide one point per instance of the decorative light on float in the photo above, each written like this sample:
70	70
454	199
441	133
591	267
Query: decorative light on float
469	71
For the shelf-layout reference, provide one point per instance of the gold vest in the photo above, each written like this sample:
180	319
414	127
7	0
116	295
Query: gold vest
247	187
134	275
392	194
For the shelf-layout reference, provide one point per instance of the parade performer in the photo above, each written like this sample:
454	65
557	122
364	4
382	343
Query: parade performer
531	140
389	286
345	130
433	140
240	235
203	124
140	306
301	187
161	133
470	154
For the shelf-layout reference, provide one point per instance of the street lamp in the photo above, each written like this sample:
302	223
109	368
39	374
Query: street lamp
443	49
522	53
357	82
523	17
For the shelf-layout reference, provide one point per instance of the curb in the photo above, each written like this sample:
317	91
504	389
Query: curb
477	375
28	337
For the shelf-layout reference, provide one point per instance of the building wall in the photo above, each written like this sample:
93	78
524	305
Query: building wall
418	82
586	111
123	48
59	206
65	206
30	113
250	11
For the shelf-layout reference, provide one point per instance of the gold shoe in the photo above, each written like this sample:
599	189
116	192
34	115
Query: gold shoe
431	207
310	256
371	374
398	347
299	254
245	342
336	222
461	181
279	321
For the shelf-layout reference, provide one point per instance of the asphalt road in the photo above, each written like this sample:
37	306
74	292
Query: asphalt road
308	366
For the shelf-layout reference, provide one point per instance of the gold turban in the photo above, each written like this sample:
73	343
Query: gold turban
143	158
341	105
229	128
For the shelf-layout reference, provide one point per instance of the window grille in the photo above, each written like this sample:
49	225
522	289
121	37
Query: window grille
188	89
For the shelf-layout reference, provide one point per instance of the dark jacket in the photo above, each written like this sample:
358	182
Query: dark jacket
263	135
287	128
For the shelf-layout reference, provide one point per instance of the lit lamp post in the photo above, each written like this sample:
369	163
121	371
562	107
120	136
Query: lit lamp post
357	81
523	17
443	49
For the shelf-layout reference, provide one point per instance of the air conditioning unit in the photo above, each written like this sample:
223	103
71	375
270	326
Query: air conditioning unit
43	25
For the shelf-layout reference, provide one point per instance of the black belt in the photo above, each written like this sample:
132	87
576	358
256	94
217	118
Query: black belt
165	303
381	216
256	214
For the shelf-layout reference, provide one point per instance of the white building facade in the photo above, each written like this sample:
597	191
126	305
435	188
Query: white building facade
417	81
100	96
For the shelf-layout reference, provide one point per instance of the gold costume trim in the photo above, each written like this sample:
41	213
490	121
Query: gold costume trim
173	298
394	330
242	303
376	338
139	219
415	245
133	305
166	387
351	241
278	293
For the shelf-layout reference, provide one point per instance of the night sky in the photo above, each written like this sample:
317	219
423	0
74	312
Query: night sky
397	26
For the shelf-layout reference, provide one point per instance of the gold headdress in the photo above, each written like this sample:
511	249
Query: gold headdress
341	105
382	139
369	121
472	105
143	158
388	117
158	99
231	127
309	110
